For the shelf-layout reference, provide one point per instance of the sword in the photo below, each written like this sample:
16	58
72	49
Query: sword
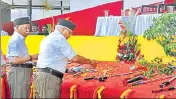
150	81
105	77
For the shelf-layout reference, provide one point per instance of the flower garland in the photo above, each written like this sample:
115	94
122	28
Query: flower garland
128	49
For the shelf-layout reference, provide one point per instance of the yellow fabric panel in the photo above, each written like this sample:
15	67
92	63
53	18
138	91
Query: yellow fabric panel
33	43
4	43
151	49
99	48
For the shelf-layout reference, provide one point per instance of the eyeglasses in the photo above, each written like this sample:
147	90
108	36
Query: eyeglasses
70	32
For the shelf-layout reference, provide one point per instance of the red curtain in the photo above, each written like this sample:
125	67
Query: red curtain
85	20
169	2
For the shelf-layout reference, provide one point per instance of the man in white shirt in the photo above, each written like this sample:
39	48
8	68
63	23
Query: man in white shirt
54	54
17	54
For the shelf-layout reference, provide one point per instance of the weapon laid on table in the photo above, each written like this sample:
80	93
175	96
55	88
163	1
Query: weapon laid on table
163	89
167	82
134	79
106	77
79	69
150	81
101	79
128	73
137	78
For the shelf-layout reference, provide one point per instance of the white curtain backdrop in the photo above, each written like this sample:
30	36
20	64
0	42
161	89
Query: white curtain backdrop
108	26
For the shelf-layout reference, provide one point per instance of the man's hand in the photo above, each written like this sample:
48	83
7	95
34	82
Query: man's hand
70	71
35	61
34	57
93	63
21	60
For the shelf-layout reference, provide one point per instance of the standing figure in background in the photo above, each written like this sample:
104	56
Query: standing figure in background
35	28
45	30
2	68
3	63
19	74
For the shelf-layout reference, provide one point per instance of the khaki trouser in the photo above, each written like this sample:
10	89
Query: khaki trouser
46	85
19	81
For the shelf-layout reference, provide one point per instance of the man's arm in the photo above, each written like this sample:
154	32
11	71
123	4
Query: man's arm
68	52
34	57
80	59
21	60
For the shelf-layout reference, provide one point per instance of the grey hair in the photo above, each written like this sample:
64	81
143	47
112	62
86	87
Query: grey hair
15	27
58	27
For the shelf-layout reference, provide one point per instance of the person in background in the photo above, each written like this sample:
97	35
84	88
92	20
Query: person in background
2	68
3	33
3	63
19	73
45	30
35	28
54	54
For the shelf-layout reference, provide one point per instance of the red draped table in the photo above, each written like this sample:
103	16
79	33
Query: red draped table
76	86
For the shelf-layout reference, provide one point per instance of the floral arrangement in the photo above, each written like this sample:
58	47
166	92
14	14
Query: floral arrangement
128	49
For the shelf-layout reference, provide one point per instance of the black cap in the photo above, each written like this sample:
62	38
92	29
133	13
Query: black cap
67	24
21	21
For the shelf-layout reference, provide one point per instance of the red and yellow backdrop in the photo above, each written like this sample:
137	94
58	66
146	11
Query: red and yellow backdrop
99	48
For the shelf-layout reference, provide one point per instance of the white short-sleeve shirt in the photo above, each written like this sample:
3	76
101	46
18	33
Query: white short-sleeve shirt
16	47
55	52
